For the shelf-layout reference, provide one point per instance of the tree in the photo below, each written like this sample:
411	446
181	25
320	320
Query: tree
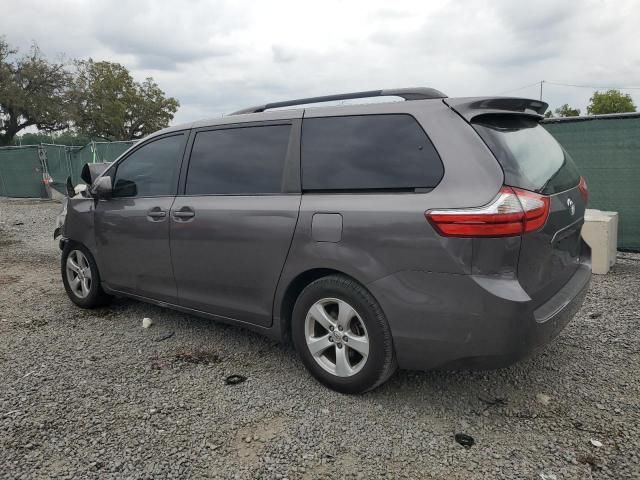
548	114
567	111
109	104
611	101
33	92
64	138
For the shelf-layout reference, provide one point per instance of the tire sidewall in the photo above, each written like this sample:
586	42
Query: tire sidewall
95	292
371	315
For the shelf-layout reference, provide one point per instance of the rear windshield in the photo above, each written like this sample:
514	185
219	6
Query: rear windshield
530	157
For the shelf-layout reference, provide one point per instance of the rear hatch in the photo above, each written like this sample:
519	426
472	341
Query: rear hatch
533	160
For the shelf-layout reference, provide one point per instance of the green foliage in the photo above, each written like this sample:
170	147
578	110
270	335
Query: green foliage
109	104
33	93
567	111
100	100
611	101
548	114
64	138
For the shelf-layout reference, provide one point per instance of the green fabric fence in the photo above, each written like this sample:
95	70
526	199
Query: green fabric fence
21	172
606	149
24	170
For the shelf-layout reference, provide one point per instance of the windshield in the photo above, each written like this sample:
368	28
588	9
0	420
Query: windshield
530	157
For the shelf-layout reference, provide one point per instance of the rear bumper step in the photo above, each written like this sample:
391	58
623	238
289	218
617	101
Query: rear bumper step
565	296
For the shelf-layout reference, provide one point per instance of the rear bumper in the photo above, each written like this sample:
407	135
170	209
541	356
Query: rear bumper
468	321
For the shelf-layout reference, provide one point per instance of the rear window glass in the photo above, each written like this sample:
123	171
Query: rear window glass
530	157
368	152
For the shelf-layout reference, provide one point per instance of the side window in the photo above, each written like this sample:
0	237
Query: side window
245	160
150	171
368	152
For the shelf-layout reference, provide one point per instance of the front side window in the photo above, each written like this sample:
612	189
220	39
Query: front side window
368	152
238	161
151	170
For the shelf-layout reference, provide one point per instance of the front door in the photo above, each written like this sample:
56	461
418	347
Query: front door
232	228
132	227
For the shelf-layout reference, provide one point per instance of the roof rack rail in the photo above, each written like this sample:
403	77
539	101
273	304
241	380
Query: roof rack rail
420	93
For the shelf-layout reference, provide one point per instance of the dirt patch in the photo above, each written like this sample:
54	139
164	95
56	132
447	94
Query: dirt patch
590	460
8	279
251	441
197	356
7	242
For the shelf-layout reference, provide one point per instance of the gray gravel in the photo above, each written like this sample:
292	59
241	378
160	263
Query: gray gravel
91	394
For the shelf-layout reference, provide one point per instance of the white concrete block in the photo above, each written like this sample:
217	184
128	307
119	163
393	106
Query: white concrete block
600	231
613	239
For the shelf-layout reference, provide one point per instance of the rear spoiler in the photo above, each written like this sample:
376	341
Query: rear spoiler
469	108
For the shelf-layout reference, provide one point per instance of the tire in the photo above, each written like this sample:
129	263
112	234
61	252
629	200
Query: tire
335	320
85	294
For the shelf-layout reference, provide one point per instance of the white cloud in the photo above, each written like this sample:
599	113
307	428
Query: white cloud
218	56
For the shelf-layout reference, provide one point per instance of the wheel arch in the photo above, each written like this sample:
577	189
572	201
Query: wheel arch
293	290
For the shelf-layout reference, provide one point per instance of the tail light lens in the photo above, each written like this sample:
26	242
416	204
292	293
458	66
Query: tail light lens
584	191
512	212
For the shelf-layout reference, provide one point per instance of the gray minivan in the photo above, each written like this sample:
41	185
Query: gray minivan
432	232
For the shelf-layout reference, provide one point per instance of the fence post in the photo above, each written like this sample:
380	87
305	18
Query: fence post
3	190
42	156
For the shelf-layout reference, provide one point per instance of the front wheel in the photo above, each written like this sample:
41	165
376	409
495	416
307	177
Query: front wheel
342	335
81	277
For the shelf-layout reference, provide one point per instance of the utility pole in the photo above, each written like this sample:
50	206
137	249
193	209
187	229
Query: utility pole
541	82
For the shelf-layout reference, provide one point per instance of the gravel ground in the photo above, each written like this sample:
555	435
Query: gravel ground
91	394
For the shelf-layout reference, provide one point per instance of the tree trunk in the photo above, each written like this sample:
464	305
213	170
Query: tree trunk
11	128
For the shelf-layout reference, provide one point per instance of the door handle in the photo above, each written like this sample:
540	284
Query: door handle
184	213
156	213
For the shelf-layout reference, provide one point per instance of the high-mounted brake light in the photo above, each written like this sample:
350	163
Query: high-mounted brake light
512	212
584	191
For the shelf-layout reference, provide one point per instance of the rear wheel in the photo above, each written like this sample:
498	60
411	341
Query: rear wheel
81	278
342	335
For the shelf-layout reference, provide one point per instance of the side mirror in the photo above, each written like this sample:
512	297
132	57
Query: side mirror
85	174
102	188
70	190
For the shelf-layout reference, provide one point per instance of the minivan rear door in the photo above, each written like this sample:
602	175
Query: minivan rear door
232	224
533	160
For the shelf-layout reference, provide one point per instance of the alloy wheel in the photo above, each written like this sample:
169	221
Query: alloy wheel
78	273
336	337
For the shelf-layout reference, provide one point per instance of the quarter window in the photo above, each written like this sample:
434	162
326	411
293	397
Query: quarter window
244	160
151	170
369	152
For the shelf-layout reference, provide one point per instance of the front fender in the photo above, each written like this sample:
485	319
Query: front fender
79	223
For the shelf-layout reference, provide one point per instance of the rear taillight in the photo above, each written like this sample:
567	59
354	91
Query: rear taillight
512	212
584	191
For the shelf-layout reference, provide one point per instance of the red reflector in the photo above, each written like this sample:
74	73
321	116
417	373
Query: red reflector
512	212
584	191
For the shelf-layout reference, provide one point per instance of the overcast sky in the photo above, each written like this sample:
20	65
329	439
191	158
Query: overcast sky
219	56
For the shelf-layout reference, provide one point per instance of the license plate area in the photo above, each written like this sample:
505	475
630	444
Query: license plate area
567	240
